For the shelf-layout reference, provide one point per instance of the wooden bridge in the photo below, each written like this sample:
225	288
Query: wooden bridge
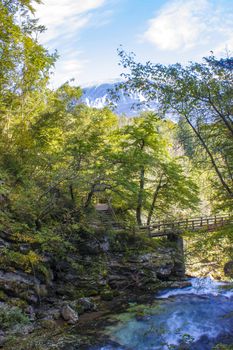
207	224
171	229
166	228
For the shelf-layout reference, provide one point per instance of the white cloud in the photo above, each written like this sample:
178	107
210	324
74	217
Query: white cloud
190	24
69	68
64	20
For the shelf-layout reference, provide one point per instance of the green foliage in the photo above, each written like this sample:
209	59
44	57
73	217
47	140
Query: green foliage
208	255
12	316
58	158
200	95
107	294
27	262
149	176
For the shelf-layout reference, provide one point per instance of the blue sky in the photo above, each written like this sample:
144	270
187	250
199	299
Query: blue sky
87	33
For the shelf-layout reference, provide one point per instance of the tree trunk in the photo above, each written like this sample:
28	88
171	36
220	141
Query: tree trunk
89	197
227	122
72	193
224	184
140	196
155	196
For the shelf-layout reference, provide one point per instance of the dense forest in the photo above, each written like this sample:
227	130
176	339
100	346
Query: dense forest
60	160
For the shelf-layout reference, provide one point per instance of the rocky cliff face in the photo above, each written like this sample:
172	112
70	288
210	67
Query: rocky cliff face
102	267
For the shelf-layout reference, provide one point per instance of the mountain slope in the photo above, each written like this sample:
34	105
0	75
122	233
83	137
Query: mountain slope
98	96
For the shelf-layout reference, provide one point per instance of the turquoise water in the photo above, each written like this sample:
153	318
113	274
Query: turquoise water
195	318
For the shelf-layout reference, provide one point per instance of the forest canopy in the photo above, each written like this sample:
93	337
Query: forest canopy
96	206
199	95
59	157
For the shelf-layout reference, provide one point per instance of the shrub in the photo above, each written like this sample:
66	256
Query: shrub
12	316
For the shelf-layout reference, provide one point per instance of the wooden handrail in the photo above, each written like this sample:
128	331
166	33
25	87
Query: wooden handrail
192	224
201	219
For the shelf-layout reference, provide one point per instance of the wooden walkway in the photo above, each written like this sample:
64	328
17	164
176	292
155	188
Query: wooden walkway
207	224
165	228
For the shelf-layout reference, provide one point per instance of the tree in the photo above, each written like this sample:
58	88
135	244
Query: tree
148	177
201	94
25	68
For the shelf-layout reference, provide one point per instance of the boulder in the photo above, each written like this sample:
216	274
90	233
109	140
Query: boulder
69	315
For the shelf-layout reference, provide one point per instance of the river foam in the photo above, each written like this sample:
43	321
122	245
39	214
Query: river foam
199	316
200	286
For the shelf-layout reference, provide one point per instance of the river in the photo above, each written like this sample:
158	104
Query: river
196	318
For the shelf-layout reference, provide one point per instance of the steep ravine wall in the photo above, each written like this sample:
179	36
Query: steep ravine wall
101	268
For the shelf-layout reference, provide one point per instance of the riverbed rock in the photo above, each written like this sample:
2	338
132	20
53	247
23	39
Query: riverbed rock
69	315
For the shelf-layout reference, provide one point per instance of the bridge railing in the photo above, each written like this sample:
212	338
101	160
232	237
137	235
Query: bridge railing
192	224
